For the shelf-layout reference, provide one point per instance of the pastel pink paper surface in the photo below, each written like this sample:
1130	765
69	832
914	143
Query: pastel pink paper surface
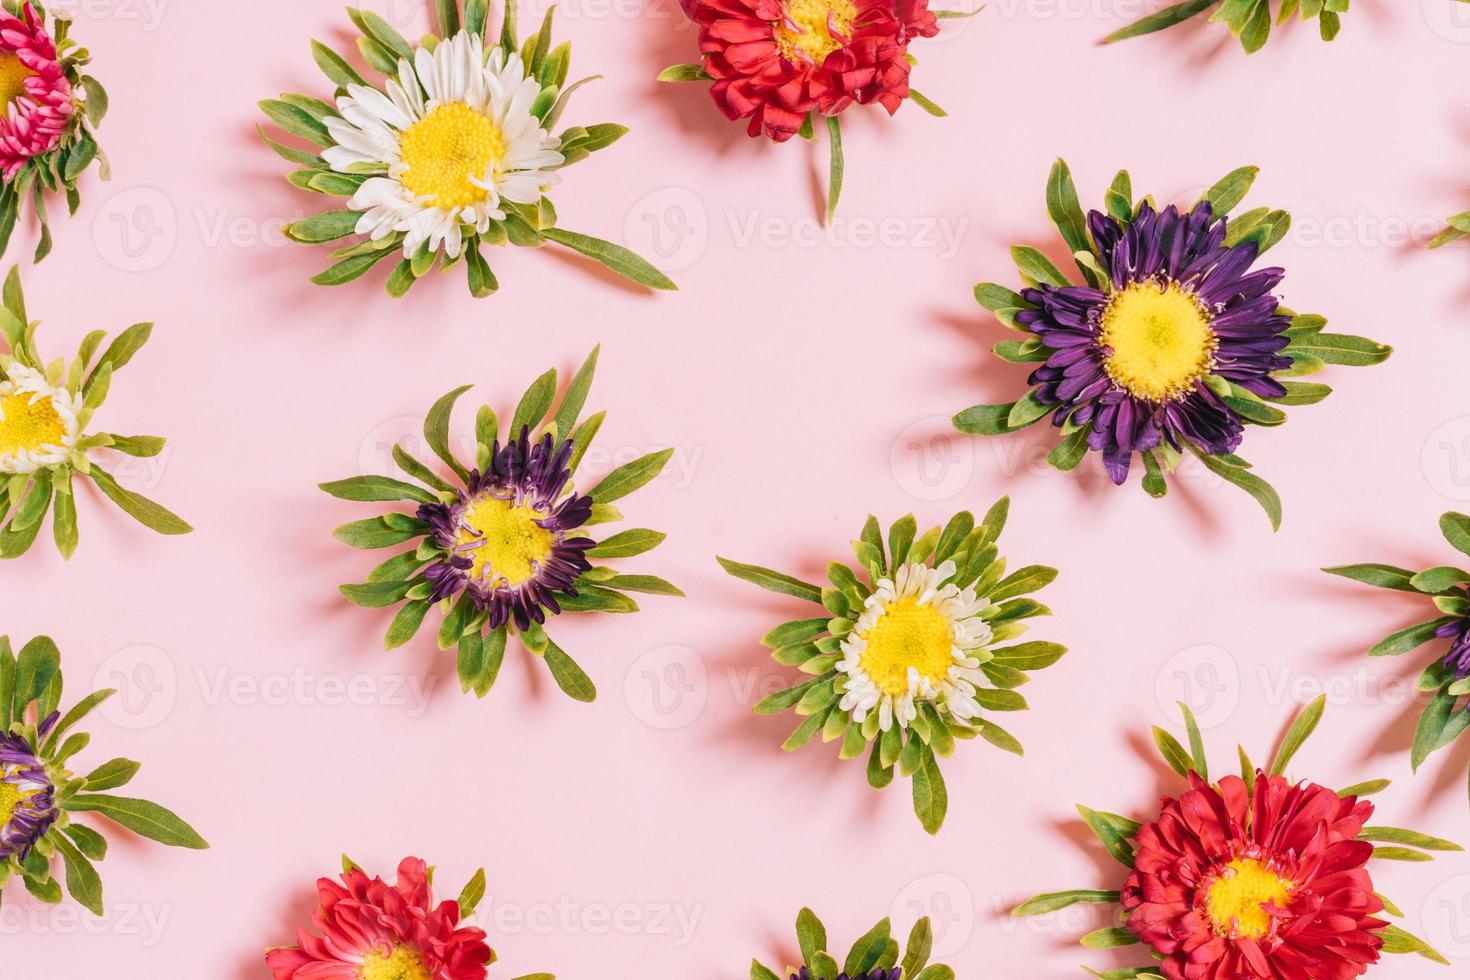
805	378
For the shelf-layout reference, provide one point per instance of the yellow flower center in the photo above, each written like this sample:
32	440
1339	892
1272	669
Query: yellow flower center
1238	898
1159	340
29	425
11	797
401	964
13	75
814	29
510	544
907	635
446	149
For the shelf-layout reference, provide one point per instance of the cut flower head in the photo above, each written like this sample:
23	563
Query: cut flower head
1249	20
1447	677
48	110
1251	877
1171	343
40	797
508	544
45	451
876	956
368	929
783	64
908	656
451	151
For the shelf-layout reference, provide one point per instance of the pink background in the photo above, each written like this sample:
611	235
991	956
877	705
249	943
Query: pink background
803	383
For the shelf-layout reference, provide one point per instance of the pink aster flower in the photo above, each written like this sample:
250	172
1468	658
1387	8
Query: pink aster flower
371	930
38	107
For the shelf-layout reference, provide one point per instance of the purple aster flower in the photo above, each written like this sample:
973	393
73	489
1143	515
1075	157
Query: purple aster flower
508	538
1132	361
1458	658
27	797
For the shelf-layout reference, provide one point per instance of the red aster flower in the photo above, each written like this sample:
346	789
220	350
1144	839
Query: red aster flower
774	61
371	930
36	105
1230	885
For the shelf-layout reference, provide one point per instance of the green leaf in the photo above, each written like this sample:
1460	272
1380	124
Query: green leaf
1301	730
631	476
1055	901
866	952
1109	938
927	104
650	584
1036	267
916	951
140	816
1066	212
473	891
297	121
568	676
82	880
1173	752
38	663
329	226
1166	18
78	711
534	405
626	544
64	518
1396	940
1111	837
151	515
352	268
1343	349
1409	638
1196	742
1397	835
1381	576
624	262
772	580
987	420
811	935
1456	530
931	799
685	73
1439	725
447	13
112	774
576	396
436	430
376	488
1258	488
837	166
405	624
334	66
1231	190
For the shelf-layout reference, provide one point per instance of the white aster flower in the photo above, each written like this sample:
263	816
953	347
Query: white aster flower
38	421
457	137
918	639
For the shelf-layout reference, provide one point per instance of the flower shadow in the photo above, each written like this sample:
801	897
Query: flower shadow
294	914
